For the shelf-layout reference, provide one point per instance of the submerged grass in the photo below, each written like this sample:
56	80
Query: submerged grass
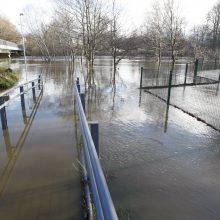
7	78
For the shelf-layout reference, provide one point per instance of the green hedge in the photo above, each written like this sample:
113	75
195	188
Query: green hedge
7	78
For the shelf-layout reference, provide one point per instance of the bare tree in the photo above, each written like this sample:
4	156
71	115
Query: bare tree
8	31
198	41
213	19
155	30
173	25
115	38
91	23
38	28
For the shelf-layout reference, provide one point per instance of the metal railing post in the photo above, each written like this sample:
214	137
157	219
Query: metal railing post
169	88
3	114
186	70
82	97
195	70
33	91
39	81
77	84
94	127
22	98
141	78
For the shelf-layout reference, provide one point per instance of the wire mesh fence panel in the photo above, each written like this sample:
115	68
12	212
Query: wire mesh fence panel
199	97
200	101
208	65
160	77
210	74
156	78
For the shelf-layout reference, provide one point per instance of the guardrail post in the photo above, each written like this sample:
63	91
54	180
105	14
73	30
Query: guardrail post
195	70
169	88
82	97
3	114
77	84
186	70
22	98
94	127
39	81
33	91
141	77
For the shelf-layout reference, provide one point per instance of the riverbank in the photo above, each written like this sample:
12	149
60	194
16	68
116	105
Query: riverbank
7	78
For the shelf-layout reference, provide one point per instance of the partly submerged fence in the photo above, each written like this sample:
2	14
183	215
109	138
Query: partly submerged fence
96	181
9	95
195	93
190	74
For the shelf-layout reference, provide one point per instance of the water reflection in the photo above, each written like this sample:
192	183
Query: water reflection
144	163
13	151
151	173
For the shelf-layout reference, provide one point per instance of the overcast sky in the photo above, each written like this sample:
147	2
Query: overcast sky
193	10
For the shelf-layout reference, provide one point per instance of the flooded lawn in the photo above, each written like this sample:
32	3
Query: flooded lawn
158	166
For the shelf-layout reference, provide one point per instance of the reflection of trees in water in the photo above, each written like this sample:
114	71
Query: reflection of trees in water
60	77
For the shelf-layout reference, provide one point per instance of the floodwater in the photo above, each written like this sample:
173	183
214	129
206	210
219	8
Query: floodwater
159	165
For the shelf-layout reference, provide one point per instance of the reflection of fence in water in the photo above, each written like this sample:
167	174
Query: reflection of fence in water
196	95
13	151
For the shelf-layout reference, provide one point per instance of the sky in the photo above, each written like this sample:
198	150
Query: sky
194	11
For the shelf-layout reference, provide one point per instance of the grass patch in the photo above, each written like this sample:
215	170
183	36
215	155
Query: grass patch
7	78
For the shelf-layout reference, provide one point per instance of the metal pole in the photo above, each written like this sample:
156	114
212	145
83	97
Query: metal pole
94	127
141	77
82	97
22	98
186	70
195	70
3	114
33	91
169	87
39	81
78	88
25	61
77	80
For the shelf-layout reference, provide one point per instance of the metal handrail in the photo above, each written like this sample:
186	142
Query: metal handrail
102	198
21	93
15	87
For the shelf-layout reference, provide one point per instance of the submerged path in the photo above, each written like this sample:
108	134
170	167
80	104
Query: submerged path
38	175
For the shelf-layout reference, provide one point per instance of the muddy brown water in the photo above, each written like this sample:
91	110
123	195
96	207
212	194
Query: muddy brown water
157	166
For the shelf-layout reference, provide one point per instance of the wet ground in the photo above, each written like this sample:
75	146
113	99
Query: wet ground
158	165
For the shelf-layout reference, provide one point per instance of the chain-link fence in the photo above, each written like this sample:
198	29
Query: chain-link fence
196	94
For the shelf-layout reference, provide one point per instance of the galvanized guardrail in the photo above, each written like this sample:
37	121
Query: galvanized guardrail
6	97
104	207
